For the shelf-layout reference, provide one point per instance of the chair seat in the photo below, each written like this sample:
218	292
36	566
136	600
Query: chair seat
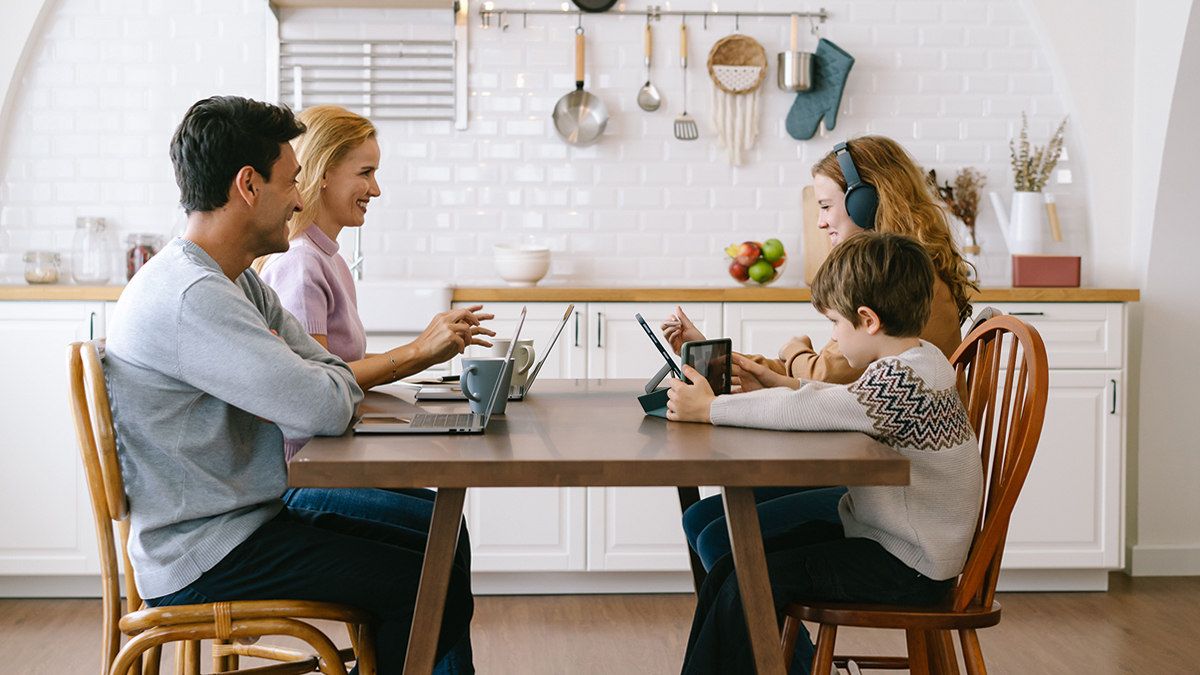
921	617
171	615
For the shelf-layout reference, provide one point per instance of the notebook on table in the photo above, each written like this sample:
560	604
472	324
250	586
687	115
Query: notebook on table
452	391
440	423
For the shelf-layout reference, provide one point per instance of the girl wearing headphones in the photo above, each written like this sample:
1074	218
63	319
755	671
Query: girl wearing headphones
904	204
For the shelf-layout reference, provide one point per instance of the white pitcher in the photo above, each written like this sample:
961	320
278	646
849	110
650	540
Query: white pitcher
1025	233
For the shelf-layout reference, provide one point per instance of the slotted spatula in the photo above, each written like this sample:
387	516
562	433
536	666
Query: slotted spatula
685	126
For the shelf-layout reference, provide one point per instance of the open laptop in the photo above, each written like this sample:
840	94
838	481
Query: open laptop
438	423
452	391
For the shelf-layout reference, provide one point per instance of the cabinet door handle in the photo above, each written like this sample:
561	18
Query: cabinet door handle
598	329
576	329
1027	314
92	326
1113	411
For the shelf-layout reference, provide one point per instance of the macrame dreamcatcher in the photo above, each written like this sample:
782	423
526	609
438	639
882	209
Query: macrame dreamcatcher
737	65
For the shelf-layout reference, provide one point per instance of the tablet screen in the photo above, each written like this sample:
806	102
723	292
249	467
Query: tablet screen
711	358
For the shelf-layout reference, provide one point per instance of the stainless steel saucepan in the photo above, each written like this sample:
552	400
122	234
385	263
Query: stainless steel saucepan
580	117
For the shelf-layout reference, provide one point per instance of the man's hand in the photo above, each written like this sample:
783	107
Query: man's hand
690	402
684	332
450	333
749	376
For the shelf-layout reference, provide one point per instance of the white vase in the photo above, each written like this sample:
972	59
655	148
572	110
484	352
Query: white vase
1025	232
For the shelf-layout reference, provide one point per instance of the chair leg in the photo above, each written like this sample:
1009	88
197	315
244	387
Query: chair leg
364	653
187	657
972	654
823	660
220	662
918	652
939	646
791	632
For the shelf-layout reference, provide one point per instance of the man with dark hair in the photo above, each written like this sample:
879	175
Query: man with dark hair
200	356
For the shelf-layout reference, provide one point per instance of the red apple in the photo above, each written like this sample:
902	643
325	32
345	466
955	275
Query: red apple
739	271
748	253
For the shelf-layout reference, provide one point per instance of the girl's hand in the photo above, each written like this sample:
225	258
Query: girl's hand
685	331
749	376
690	402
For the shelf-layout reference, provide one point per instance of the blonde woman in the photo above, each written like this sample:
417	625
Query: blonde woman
339	155
906	206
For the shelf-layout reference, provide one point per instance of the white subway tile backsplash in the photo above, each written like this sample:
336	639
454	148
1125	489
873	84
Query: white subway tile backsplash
109	79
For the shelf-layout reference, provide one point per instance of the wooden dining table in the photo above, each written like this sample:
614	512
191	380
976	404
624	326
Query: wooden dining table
583	433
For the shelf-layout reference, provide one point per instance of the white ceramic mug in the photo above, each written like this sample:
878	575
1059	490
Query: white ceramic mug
523	356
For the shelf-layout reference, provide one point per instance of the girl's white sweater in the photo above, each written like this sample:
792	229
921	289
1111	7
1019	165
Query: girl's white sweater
908	402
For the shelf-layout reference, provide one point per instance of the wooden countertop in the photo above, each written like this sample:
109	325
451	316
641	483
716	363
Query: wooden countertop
584	294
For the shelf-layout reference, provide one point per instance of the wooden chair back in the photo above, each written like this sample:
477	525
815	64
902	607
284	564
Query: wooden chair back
1003	365
92	416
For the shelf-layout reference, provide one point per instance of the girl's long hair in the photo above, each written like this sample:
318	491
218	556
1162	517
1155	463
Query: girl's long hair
331	133
906	206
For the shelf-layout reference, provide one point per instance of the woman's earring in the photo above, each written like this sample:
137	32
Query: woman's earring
322	187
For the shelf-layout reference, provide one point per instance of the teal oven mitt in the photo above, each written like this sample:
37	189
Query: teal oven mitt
831	68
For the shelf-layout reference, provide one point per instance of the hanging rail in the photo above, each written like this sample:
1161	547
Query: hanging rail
487	11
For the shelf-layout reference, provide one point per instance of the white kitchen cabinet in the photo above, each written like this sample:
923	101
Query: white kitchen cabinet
569	356
527	529
1069	512
764	327
617	344
48	528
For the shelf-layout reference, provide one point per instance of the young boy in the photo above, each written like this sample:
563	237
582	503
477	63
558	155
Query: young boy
895	544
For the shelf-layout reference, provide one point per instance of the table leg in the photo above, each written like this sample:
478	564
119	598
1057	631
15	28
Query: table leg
741	514
687	497
435	579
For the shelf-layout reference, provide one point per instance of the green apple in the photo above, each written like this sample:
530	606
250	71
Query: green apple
772	250
762	272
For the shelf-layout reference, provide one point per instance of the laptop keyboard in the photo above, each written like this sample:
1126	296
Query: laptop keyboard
435	421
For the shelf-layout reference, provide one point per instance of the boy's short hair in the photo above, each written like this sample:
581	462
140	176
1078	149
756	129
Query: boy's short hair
220	135
892	274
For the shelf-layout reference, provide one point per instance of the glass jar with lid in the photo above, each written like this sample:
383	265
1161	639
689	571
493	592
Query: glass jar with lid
142	247
41	267
91	255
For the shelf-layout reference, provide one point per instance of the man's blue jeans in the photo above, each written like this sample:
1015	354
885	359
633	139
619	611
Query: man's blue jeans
409	508
326	557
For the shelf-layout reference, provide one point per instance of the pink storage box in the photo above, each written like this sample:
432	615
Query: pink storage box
1045	270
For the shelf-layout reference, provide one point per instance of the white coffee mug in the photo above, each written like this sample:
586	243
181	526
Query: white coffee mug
523	356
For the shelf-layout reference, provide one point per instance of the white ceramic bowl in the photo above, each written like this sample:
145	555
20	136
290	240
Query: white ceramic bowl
522	265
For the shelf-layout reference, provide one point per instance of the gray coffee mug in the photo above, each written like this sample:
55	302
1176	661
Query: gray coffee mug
478	380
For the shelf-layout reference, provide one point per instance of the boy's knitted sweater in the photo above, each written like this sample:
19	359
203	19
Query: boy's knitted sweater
908	402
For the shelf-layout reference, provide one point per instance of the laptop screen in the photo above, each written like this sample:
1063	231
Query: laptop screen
508	364
553	341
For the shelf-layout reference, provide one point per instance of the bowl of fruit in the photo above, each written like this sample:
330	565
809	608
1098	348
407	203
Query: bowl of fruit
756	264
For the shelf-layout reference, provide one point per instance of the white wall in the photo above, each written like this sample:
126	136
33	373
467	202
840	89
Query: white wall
949	79
1168	529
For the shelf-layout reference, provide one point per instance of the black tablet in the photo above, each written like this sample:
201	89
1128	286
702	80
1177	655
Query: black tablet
713	359
661	350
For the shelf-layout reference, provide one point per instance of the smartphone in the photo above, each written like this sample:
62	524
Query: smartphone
661	350
713	359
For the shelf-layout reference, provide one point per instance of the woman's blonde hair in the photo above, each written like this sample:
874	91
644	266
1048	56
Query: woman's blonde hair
331	133
906	206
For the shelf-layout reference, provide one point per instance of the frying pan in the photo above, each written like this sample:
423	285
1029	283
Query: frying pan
594	5
580	117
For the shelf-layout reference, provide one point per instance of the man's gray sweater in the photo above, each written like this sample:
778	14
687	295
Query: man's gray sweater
194	374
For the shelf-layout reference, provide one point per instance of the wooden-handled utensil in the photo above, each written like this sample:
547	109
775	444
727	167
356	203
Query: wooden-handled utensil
685	126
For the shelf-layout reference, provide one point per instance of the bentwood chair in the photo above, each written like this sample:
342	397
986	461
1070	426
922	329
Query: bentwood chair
234	627
1002	365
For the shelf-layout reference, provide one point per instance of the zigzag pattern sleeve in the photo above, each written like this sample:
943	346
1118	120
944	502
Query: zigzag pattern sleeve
906	412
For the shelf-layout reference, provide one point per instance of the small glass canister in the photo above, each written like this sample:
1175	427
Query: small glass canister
91	260
142	247
41	267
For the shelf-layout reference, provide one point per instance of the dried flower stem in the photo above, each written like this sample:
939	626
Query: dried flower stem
1032	169
963	197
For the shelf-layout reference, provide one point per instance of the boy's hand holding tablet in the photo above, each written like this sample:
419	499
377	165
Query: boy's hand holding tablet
690	402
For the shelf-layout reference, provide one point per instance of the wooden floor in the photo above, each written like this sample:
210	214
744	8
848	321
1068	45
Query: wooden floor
1143	625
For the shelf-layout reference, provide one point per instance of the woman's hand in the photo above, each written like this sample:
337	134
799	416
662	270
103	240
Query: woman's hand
685	331
450	333
749	376
690	402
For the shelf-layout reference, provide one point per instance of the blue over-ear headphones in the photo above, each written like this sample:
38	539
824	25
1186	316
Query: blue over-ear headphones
862	199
